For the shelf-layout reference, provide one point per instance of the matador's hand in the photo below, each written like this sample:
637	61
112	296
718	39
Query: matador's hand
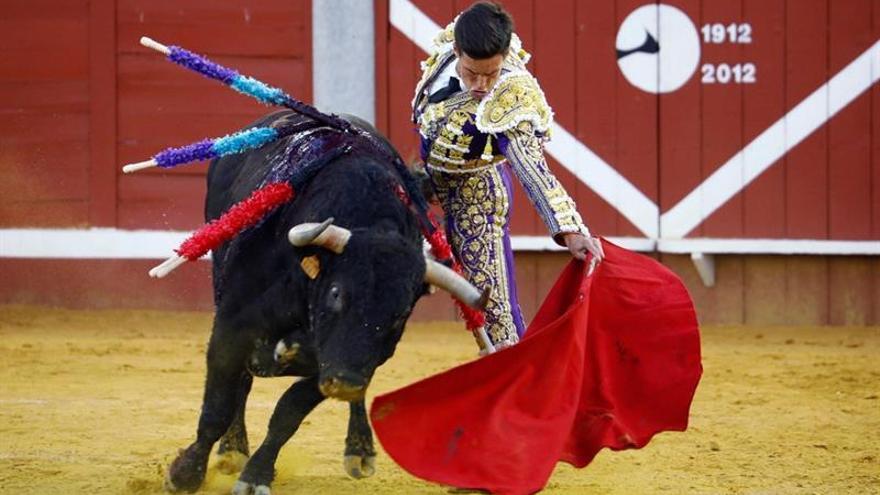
579	245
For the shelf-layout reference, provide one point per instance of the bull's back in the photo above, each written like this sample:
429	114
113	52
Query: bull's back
233	178
357	188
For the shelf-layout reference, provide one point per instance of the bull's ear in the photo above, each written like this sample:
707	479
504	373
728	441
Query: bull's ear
323	234
311	265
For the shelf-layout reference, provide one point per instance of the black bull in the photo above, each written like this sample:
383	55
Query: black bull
333	328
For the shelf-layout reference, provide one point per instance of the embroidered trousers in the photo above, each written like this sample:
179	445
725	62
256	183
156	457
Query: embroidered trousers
477	207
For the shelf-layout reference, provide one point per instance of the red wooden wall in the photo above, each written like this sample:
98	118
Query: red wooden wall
668	144
81	97
44	100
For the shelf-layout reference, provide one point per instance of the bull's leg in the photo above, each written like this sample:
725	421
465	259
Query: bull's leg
233	450
226	354
360	455
297	402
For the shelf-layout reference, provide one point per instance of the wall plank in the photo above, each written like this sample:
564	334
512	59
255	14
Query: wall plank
554	52
806	290
269	28
722	116
875	140
102	114
849	178
44	101
597	75
764	284
764	104
851	290
636	157
681	132
806	180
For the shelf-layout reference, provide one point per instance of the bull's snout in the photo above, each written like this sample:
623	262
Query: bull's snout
343	386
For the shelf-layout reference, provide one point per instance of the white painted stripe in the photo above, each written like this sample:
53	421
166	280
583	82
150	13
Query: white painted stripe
545	243
413	23
89	244
577	158
768	246
160	244
604	180
810	114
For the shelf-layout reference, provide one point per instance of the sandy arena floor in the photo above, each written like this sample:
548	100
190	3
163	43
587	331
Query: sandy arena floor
99	402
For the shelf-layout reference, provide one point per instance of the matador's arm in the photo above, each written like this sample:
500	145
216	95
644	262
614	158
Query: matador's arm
524	150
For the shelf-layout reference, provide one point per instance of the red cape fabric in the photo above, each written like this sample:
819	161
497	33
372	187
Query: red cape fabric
609	361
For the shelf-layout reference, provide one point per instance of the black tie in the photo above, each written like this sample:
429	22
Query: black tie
443	93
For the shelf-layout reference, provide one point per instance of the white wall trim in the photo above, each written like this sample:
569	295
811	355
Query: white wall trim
104	243
546	243
159	244
768	246
108	243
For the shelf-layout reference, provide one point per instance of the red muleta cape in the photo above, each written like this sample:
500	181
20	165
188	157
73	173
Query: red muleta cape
609	361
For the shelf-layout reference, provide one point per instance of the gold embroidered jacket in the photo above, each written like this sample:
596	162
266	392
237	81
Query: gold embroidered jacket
463	135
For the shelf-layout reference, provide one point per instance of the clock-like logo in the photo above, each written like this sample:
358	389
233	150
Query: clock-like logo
658	48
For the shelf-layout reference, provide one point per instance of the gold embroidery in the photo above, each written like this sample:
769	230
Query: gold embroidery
555	207
443	124
514	99
478	205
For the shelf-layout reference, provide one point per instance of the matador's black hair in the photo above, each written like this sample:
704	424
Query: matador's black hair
483	30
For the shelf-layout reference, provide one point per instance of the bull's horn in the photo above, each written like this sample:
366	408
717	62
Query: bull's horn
445	278
323	234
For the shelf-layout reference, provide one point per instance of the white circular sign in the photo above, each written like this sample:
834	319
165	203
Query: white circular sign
658	48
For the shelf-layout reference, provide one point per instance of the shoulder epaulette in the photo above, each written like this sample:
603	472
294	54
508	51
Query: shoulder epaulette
516	97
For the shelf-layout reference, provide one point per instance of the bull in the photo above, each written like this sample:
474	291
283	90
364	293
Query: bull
330	309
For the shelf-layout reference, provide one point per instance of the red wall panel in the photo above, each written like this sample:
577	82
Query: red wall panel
162	105
875	148
667	145
764	104
823	188
102	114
523	219
722	117
636	157
597	75
44	132
849	178
806	66
681	131
554	64
268	28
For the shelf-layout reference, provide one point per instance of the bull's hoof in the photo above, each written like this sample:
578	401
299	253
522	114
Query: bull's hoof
231	462
360	467
245	488
187	471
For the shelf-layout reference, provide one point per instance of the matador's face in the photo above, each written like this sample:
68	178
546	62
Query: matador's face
478	75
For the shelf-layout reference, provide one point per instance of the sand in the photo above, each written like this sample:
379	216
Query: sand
100	401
